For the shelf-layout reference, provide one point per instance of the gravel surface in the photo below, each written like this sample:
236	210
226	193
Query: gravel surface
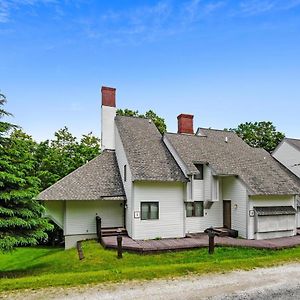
274	283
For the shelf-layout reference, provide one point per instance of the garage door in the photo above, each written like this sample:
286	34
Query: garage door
274	222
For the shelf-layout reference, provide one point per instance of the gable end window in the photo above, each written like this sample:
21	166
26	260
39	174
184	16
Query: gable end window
149	210
199	176
125	172
194	209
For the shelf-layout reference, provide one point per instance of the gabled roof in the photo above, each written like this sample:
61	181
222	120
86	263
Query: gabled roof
148	157
98	179
293	142
261	173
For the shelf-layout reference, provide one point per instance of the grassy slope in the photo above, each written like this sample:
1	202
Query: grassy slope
44	267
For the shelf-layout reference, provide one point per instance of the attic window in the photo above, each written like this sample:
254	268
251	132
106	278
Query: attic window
199	176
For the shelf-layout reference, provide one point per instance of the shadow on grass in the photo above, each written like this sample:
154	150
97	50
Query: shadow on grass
33	270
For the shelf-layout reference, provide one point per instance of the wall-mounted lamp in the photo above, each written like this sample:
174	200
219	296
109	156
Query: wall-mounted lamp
235	206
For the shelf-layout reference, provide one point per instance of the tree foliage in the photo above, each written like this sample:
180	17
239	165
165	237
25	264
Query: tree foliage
259	134
62	155
21	221
26	168
150	114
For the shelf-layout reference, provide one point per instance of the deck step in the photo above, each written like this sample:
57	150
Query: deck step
113	231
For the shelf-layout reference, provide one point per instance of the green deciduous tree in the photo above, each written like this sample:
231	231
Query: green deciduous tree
21	221
150	114
259	134
62	155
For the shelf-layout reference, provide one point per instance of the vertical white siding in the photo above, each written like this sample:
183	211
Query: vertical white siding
268	201
235	191
207	176
289	157
55	211
202	191
122	160
198	190
81	215
171	210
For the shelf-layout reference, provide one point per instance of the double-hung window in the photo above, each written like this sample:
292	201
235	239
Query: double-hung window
149	210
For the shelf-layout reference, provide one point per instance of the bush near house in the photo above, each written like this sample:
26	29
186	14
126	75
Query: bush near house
38	267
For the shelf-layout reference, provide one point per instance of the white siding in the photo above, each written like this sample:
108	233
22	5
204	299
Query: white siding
289	157
122	160
198	190
202	191
171	210
55	211
81	215
212	217
235	191
207	176
270	201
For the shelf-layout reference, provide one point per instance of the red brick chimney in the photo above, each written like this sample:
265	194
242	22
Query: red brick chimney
185	123
108	96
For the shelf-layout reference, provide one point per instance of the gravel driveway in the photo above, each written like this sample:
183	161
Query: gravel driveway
281	282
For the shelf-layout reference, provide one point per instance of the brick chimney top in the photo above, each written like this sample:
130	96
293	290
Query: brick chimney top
108	96
185	124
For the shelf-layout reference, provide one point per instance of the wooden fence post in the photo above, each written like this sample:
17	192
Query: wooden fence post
80	251
211	241
98	229
119	242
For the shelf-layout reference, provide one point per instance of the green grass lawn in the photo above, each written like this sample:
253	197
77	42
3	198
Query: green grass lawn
37	267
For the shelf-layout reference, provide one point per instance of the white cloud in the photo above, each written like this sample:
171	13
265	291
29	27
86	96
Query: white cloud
255	7
7	7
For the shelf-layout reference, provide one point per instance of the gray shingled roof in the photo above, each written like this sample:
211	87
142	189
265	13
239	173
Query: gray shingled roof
293	142
274	210
148	157
255	167
98	179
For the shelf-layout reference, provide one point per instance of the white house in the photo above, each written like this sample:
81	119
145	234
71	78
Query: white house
168	186
288	154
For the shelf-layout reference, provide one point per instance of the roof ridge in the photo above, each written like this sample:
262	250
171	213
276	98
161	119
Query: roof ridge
294	139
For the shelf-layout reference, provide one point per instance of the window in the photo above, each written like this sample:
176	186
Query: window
149	210
200	169
194	209
125	172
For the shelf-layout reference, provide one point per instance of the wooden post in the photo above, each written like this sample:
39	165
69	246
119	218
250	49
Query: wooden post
80	251
98	228
119	242
211	241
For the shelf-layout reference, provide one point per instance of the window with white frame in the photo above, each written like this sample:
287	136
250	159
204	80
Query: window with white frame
194	209
149	210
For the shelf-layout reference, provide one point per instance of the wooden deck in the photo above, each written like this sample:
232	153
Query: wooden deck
197	241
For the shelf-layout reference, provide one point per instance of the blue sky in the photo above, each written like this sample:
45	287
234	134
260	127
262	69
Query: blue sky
226	62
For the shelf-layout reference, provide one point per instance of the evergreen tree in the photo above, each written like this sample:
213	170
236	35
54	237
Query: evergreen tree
21	221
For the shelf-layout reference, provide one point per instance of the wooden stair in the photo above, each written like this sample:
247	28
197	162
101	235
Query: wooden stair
113	231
